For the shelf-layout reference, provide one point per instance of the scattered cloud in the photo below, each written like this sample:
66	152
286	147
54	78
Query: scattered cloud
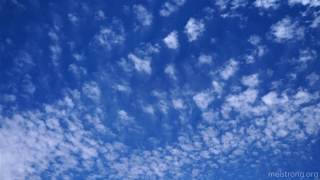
203	99
286	29
171	40
205	59
313	78
140	65
267	4
170	7
109	37
230	68
80	109
122	88
311	3
144	17
178	104
92	91
194	29
170	71
250	81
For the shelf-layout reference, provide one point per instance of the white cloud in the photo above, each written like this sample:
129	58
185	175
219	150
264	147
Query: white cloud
316	22
59	137
313	78
203	99
307	55
56	52
170	71
77	71
143	16
302	97
241	102
122	88
123	115
217	87
53	36
32	141
178	104
208	116
230	68
73	18
266	3
205	59
109	37
194	28
286	29
171	40
251	80
312	3
148	109
28	86
100	15
170	7
140	65
271	98
92	91
78	56
254	40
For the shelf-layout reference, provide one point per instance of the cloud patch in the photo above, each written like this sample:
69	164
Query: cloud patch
194	29
171	40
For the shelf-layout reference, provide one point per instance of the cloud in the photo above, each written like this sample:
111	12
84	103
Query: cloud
143	16
311	3
100	15
313	78
302	97
254	40
171	40
23	62
55	47
286	29
123	115
217	87
110	36
205	59
27	85
8	98
307	55
34	140
271	98
170	7
59	137
242	100
56	52
92	91
316	22
250	81
95	130
194	28
178	104
122	88
203	99
140	65
73	18
230	68
77	71
170	71
267	4
148	109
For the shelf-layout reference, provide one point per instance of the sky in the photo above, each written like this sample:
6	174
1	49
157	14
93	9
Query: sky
146	89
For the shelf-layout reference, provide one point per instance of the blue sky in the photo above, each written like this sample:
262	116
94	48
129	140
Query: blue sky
174	89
